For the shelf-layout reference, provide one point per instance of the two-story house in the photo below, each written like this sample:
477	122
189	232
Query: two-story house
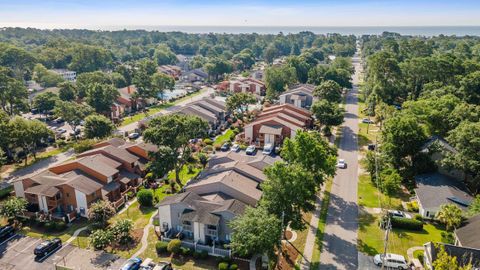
300	96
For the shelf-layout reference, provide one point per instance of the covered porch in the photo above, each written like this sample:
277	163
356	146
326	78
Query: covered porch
269	134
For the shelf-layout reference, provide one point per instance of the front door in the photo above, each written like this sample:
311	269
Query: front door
269	138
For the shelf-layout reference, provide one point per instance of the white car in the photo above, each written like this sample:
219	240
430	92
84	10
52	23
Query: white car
341	164
268	149
251	150
391	260
235	148
61	130
400	214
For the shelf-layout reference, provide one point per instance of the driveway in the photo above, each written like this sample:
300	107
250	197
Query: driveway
18	254
340	238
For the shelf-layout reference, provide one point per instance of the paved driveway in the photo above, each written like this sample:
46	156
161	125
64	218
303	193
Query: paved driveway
340	238
18	254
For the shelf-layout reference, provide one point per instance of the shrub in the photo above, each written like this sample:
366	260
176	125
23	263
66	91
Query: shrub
418	217
174	246
217	146
5	192
60	226
156	222
412	206
203	254
207	149
406	223
447	237
186	251
196	255
83	146
233	267
145	197
208	141
161	246
50	226
223	266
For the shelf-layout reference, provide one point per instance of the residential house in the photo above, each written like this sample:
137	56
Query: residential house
435	189
174	71
67	75
249	85
195	75
211	110
301	96
276	123
126	102
257	74
463	255
468	234
110	172
220	193
436	147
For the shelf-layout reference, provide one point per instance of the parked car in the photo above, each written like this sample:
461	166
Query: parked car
61	130
251	150
148	264
132	264
341	164
59	120
268	149
397	213
367	121
34	111
371	146
391	260
133	135
47	247
225	147
6	232
235	148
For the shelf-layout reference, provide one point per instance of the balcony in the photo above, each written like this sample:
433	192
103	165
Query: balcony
119	203
211	232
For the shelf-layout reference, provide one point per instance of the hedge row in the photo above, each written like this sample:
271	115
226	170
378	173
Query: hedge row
407	223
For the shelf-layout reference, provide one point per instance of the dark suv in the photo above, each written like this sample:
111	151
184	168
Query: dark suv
6	232
46	247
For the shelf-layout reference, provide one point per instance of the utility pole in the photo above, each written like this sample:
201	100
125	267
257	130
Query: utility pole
387	231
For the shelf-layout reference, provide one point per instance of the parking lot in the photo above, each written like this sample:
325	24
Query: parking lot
17	253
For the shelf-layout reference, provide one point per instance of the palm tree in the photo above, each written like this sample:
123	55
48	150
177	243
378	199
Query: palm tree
450	215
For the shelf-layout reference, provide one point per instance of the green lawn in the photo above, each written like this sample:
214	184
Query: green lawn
155	109
140	217
321	226
368	195
184	174
224	137
370	236
64	235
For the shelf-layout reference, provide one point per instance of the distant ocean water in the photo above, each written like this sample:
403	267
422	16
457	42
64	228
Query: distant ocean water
346	30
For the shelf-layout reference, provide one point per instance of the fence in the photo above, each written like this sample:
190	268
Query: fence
212	250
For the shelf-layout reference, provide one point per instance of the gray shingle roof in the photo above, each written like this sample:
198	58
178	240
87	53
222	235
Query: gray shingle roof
464	255
468	234
436	189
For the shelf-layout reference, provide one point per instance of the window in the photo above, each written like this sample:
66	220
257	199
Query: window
186	222
179	227
58	196
212	227
227	237
165	225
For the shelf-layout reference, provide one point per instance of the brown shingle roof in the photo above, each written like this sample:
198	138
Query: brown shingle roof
44	190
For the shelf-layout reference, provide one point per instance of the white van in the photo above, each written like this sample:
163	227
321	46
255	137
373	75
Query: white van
394	261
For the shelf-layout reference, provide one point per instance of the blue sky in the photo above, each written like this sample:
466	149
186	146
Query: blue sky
109	13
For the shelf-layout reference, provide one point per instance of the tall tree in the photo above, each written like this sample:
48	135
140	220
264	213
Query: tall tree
288	192
86	81
98	126
328	114
67	91
402	138
13	93
88	58
330	91
171	133
45	102
450	215
13	207
474	207
277	79
464	138
27	134
45	77
73	113
101	97
256	231
240	101
313	153
160	83
446	262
